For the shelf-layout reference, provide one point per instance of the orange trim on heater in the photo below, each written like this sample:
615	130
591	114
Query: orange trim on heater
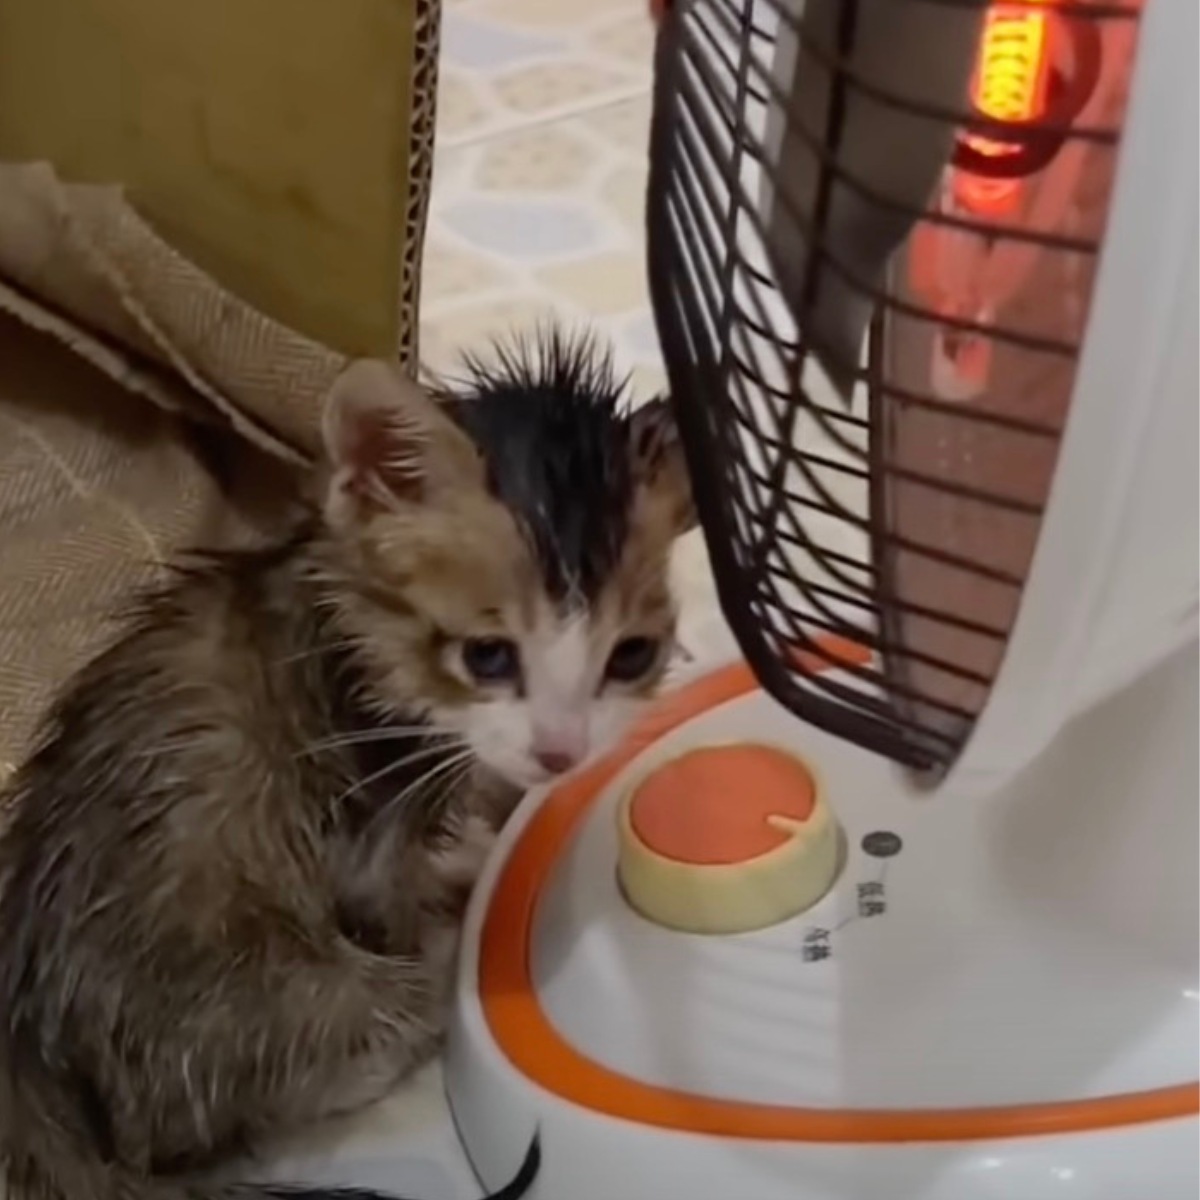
532	1044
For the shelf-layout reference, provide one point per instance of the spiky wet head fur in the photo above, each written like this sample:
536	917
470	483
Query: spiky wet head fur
503	548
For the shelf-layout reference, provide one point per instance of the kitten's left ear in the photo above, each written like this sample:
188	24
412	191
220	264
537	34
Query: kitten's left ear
658	462
389	443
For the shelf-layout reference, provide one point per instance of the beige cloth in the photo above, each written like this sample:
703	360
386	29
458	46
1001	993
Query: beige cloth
97	486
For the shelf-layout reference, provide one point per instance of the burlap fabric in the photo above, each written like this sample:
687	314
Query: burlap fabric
96	487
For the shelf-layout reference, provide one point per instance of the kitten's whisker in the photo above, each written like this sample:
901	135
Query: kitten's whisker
463	761
454	782
316	652
464	756
387	733
395	765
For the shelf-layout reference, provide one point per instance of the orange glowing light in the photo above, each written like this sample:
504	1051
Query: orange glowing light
1010	84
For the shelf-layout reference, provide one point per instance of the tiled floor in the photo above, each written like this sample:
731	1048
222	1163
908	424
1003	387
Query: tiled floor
539	185
540	176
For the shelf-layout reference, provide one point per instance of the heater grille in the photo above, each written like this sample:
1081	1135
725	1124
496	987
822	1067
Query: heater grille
874	228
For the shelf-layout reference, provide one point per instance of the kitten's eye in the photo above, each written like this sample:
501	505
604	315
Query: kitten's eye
631	659
491	660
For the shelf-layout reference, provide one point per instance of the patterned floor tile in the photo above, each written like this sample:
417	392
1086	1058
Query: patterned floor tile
537	210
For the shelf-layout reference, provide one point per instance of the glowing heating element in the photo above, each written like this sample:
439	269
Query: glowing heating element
1010	84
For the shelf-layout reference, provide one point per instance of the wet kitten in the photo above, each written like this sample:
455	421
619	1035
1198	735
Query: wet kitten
235	866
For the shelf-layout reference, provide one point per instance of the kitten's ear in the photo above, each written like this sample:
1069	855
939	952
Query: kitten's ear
659	464
389	443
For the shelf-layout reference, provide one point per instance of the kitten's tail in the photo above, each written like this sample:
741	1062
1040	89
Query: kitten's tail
49	1152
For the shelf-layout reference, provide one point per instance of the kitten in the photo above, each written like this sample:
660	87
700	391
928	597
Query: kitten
235	865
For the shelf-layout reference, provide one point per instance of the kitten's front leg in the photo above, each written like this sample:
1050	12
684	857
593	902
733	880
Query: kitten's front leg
459	864
453	870
487	804
404	896
271	1045
492	798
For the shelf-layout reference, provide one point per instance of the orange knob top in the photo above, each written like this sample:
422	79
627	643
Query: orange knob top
722	804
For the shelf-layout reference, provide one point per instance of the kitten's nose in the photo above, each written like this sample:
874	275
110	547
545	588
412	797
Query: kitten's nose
555	761
559	742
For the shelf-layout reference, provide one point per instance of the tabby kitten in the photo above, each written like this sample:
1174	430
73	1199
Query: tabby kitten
234	867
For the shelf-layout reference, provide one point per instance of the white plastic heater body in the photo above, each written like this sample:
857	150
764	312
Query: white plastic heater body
1113	589
1031	994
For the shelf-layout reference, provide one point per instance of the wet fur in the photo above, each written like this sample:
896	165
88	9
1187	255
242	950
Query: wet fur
234	866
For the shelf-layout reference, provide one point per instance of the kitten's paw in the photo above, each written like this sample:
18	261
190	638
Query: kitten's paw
460	864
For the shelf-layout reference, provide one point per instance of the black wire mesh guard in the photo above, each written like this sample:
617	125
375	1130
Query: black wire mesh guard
873	231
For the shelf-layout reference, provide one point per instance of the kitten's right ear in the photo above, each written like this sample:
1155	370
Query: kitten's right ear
389	443
659	463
